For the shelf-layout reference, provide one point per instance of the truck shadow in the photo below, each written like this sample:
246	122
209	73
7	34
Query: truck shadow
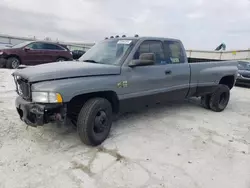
243	86
159	111
161	108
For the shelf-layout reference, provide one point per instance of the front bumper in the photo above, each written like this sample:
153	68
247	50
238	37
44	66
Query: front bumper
35	114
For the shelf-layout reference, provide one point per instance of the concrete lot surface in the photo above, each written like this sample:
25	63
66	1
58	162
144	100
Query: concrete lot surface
179	145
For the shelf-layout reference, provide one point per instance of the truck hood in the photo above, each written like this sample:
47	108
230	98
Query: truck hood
67	69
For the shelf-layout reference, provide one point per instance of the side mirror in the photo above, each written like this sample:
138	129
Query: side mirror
144	60
27	49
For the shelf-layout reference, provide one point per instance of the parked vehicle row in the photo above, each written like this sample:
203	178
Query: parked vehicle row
40	52
33	53
115	76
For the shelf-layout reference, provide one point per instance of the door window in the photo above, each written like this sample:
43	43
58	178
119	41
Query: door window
58	47
44	46
174	52
35	46
155	47
48	46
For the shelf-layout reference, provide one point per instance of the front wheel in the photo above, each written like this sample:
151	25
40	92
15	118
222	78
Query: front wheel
13	63
220	98
94	121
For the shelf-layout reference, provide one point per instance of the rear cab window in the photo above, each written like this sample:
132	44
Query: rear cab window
174	52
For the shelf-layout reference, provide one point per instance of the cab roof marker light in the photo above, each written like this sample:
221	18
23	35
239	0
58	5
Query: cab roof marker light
123	36
117	36
112	37
59	98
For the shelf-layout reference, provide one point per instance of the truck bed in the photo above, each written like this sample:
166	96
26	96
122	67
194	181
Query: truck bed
208	74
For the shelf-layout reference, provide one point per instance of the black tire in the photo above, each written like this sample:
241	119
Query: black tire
60	59
205	101
220	98
13	63
2	65
94	121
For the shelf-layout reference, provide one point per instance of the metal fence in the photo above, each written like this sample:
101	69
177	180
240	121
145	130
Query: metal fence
220	55
7	40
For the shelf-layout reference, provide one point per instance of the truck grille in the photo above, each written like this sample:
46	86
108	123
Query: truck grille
22	88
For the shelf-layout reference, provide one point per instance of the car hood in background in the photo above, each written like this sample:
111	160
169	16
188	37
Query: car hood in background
244	73
244	65
67	69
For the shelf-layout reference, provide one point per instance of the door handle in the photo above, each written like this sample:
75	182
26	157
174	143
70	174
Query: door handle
168	72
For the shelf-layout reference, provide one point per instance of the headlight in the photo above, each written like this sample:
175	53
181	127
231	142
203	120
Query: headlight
1	53
238	75
46	97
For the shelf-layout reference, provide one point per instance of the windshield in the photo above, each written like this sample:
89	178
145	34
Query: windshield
107	51
20	45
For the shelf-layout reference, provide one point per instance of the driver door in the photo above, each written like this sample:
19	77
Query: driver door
33	54
147	84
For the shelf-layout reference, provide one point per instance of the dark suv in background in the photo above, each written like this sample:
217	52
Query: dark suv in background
77	53
243	73
33	53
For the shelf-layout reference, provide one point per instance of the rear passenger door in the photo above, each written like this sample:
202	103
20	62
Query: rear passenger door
177	65
51	52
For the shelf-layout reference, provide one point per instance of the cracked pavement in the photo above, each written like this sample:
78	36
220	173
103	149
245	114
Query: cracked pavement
178	145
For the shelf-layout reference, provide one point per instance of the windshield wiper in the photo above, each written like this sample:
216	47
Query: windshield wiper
90	60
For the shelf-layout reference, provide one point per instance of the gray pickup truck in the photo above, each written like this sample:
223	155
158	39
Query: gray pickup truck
115	76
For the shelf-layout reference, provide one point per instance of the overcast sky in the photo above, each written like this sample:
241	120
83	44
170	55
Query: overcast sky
200	24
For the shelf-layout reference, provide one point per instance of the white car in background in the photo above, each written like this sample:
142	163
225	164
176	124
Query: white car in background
4	45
